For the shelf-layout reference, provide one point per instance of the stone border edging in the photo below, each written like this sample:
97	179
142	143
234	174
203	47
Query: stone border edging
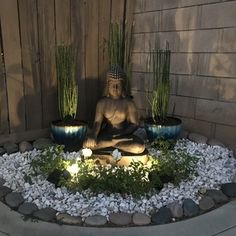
167	214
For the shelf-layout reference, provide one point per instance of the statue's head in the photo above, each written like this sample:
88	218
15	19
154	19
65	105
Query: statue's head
115	83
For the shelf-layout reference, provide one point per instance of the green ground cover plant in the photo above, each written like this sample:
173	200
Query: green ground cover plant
137	179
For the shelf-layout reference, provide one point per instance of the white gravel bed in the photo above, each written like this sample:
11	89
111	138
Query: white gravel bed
216	165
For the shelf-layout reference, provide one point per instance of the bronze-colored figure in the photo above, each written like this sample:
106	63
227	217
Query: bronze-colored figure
116	118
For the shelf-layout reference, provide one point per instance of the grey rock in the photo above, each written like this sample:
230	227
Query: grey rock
229	189
215	142
184	134
25	146
141	219
2	151
42	143
176	209
68	219
198	138
46	214
217	195
27	208
4	191
14	199
120	218
206	203
163	216
2	181
190	207
96	220
10	147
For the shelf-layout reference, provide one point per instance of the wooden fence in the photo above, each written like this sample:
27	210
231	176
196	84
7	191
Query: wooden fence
30	30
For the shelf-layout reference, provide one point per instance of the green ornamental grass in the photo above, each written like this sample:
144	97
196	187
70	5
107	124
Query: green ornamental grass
67	81
160	61
120	44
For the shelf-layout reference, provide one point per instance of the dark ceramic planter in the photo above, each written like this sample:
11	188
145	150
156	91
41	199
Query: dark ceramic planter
170	130
69	134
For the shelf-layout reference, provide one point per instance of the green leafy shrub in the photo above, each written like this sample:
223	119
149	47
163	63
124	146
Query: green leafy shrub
137	179
163	144
176	166
49	160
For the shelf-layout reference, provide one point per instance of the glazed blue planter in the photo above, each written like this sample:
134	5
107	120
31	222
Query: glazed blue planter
171	130
71	135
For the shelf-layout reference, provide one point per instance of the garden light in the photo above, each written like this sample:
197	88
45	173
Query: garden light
73	169
86	152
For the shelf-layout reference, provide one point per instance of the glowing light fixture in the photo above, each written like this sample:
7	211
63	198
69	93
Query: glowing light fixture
86	152
73	169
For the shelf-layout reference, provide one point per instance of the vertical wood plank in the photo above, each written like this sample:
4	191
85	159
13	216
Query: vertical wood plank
46	19
30	61
103	29
117	11
78	38
13	66
63	24
4	125
91	57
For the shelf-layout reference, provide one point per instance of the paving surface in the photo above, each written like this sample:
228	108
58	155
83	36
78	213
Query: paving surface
220	222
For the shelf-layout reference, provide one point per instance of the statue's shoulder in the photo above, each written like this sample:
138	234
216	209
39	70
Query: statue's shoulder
103	100
130	100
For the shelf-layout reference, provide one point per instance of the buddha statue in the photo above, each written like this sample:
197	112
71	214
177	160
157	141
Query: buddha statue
116	118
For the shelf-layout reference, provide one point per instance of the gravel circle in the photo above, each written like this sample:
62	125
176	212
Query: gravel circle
216	165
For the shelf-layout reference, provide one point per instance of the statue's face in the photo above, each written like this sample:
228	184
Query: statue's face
115	88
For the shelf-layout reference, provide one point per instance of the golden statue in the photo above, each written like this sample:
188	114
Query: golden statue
116	118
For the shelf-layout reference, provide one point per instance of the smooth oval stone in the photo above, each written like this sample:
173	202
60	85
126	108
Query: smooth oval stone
163	216
25	146
27	208
206	203
141	219
14	199
229	189
176	209
120	218
217	195
68	219
46	214
4	191
190	207
96	220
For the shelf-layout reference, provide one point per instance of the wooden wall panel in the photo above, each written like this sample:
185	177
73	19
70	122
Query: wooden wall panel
91	57
30	62
117	10
13	66
103	28
63	23
78	38
4	125
46	22
31	29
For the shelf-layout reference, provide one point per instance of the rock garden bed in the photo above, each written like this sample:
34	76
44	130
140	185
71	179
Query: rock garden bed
211	186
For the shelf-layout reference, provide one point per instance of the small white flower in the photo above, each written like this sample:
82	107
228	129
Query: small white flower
86	152
116	154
